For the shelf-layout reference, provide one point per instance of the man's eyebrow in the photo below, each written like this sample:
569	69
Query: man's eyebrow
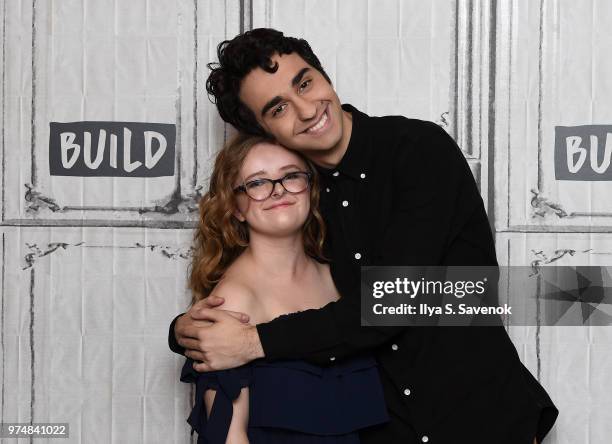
271	104
276	100
298	77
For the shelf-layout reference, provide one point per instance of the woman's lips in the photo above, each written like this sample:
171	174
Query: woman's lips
280	205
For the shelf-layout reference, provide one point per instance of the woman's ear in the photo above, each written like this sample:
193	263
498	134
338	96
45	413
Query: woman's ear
238	215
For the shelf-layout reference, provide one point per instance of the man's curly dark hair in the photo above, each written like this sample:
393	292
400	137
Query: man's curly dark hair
237	58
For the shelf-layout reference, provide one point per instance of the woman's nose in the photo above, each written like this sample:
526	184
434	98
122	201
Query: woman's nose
278	190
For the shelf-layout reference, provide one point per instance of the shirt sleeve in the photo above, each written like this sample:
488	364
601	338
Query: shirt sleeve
323	335
172	342
547	410
438	218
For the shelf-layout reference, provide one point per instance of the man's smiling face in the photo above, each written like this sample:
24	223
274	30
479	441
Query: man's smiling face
299	107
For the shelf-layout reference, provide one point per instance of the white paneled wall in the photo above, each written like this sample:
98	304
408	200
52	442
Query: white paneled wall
85	319
94	268
572	363
552	70
136	61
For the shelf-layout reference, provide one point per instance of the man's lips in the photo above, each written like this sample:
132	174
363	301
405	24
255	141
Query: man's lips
322	122
279	205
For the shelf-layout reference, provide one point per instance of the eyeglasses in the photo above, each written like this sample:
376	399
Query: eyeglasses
260	189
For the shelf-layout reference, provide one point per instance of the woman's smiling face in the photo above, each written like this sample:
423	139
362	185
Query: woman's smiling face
282	213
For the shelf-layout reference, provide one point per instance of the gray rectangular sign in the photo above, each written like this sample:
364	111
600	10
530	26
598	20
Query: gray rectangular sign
119	149
583	152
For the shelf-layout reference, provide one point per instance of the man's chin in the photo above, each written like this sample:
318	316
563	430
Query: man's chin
323	144
314	150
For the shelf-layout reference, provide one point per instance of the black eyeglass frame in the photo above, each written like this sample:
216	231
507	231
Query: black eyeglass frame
242	188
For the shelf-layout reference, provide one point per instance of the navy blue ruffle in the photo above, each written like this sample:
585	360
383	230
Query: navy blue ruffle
227	384
292	396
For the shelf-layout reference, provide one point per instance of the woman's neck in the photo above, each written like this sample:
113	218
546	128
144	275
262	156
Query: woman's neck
277	257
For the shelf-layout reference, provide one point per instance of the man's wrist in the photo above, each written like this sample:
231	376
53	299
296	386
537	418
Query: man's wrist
255	348
172	340
174	323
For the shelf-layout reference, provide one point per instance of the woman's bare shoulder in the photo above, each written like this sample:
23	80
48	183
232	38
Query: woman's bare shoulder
237	294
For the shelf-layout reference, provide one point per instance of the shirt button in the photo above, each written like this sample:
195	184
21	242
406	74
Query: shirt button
362	175
345	203
333	358
335	173
357	255
394	347
425	438
407	392
327	190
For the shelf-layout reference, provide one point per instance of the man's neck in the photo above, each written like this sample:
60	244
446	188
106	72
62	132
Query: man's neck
332	157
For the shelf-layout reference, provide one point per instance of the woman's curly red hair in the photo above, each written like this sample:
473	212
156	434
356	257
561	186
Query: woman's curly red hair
220	238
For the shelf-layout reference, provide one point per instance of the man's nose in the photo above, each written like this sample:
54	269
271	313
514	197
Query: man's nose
306	109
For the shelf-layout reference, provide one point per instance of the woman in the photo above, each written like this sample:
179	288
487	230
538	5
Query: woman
259	246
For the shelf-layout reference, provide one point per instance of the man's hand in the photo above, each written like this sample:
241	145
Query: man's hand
188	326
225	343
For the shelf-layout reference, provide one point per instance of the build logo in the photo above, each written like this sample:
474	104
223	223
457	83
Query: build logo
125	149
583	152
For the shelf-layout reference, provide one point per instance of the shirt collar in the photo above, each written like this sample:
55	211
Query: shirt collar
355	159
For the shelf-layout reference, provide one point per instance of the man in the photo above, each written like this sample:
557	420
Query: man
395	191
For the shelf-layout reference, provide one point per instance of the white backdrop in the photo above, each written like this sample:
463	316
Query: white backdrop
94	268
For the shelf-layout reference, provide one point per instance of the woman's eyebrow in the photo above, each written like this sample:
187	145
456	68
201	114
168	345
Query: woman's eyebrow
288	167
254	174
260	172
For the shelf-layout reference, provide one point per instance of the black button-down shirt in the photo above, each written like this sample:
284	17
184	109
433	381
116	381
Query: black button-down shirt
403	194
